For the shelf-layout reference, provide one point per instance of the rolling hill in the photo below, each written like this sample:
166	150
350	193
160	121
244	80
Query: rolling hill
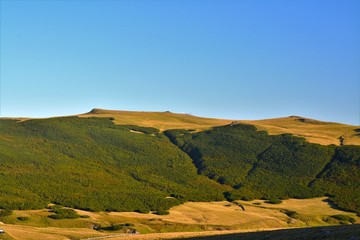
139	161
91	163
324	133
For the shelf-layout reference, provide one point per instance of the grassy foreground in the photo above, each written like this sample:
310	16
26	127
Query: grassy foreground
189	219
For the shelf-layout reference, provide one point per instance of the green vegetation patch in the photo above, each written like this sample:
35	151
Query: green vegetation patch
340	219
93	164
274	201
257	165
64	213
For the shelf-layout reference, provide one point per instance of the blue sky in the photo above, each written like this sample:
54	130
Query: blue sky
237	59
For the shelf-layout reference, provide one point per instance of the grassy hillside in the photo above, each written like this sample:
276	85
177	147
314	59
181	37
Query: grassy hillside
324	133
91	163
258	165
314	131
159	120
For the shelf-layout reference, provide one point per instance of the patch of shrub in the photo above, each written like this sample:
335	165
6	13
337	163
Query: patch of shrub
161	212
64	213
274	201
142	210
5	212
22	218
290	213
343	219
115	227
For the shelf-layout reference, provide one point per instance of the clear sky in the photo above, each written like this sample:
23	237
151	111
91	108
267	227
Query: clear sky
236	59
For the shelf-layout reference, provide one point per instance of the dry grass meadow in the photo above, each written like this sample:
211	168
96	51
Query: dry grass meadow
324	133
187	220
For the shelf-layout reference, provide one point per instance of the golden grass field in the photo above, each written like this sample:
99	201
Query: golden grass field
159	120
324	133
314	131
186	220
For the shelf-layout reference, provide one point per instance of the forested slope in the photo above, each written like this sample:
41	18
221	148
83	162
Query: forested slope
91	163
258	165
95	164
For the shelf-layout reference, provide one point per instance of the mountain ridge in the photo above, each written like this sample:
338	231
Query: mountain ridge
314	131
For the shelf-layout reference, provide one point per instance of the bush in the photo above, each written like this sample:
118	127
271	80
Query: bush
344	218
142	211
5	212
273	201
115	227
64	213
290	213
161	212
22	218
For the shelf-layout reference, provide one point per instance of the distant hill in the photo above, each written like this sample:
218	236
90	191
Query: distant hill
314	131
153	161
160	120
324	133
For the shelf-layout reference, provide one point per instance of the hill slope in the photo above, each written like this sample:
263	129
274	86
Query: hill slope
92	163
159	120
258	165
314	131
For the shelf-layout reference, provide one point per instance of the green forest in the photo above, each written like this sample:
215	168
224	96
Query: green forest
95	165
257	165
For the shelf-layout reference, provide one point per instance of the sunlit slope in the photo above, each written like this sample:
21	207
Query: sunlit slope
324	133
91	163
159	120
200	218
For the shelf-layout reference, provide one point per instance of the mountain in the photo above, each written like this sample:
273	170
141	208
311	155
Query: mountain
140	161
